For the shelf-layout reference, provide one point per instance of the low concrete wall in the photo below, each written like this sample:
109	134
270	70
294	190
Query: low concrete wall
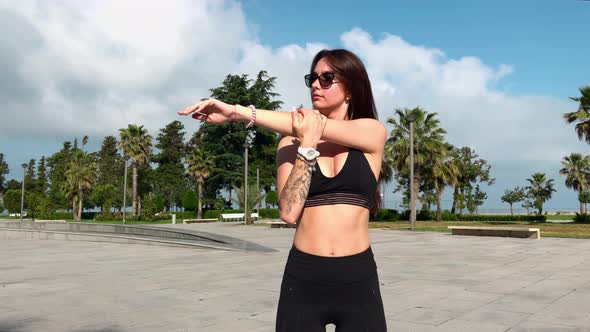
77	231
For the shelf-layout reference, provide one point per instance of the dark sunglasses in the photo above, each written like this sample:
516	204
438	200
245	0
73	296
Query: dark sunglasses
326	79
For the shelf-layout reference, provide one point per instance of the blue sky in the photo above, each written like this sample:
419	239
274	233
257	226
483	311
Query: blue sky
497	72
544	41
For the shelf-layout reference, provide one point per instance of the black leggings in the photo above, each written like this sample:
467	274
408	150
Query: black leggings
318	290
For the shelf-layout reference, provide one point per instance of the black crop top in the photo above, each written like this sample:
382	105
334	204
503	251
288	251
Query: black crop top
355	184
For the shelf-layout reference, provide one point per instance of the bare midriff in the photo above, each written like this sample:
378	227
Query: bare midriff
333	230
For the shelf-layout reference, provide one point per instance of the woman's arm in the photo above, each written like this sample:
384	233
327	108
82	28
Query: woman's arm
367	135
293	180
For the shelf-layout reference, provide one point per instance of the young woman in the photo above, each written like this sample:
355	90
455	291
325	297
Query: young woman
328	164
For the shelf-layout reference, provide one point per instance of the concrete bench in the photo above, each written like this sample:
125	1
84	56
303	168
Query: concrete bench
520	232
190	221
281	224
236	216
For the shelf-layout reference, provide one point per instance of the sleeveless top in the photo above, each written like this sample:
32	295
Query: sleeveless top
355	184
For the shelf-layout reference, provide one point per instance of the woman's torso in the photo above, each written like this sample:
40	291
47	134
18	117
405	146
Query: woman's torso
336	229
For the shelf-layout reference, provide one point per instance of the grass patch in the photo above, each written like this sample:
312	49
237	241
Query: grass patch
570	230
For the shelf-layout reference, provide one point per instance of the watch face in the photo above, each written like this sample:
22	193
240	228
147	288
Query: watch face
310	154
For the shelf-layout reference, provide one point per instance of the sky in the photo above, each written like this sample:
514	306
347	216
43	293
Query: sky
498	73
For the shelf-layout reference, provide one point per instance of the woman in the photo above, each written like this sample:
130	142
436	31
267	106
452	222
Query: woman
328	165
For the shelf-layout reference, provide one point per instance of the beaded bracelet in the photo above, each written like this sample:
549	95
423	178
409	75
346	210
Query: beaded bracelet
253	119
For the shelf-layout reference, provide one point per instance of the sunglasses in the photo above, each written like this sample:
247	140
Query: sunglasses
326	79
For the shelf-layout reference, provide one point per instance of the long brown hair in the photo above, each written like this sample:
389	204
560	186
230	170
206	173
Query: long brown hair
351	71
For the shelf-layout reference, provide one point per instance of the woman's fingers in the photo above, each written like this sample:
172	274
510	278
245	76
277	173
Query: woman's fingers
200	107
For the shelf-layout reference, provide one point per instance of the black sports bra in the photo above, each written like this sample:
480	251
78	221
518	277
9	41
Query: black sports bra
355	184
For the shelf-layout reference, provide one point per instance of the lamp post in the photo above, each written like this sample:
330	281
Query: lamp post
124	188
22	198
245	145
411	118
258	189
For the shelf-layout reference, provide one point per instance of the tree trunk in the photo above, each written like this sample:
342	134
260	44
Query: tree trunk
439	194
230	201
581	207
200	200
134	200
415	200
511	214
462	191
74	208
455	192
80	203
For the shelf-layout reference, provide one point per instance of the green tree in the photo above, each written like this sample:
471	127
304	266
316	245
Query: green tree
12	198
105	196
200	166
541	189
584	198
13	184
575	168
189	201
225	142
169	181
110	163
444	172
4	170
581	115
42	181
272	198
137	145
152	206
57	164
513	196
428	144
253	199
479	197
38	205
30	177
472	170
80	177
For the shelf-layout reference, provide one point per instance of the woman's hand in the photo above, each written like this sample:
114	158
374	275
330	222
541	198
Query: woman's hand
308	126
211	111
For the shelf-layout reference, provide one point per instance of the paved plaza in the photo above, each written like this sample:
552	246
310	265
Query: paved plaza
429	282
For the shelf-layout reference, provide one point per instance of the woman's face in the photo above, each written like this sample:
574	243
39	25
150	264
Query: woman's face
329	98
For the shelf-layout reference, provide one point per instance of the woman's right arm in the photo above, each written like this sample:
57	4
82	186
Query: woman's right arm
293	180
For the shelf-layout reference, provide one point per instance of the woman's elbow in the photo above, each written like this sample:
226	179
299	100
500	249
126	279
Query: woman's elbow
288	217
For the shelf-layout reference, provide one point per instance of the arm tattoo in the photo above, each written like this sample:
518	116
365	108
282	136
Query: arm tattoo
296	189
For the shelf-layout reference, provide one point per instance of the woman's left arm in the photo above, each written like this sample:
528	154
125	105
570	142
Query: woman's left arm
367	135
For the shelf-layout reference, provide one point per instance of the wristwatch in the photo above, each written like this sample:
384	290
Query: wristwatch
310	154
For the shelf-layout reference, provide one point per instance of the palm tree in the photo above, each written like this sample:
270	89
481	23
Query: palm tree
81	173
445	172
136	144
428	142
576	171
541	189
200	166
582	115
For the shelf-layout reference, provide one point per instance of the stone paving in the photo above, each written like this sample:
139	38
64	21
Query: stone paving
429	282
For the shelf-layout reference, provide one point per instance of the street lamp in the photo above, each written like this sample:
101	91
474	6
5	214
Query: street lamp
245	145
22	198
411	118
